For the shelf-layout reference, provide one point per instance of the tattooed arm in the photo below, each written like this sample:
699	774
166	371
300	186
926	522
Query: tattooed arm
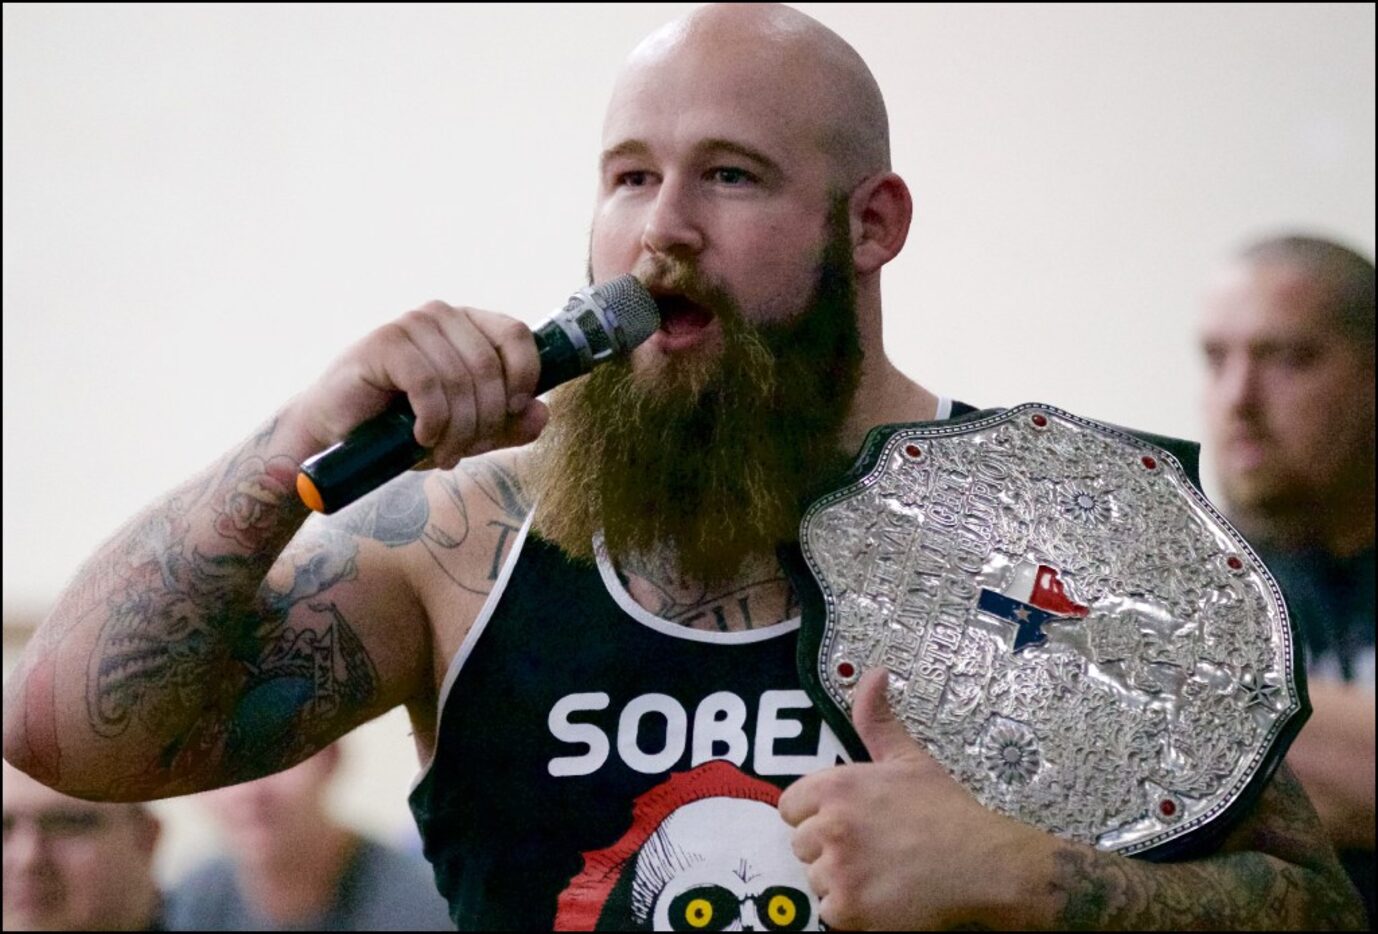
1274	872
186	654
197	648
897	844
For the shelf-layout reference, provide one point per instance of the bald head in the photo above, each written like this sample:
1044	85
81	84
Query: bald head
806	72
1341	279
742	143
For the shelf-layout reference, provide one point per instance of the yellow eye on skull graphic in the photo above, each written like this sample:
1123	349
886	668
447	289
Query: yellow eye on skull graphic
716	908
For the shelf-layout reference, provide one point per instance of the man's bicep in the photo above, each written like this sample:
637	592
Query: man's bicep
341	638
347	601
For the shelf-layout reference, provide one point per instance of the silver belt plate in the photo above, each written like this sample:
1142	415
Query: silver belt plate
1070	627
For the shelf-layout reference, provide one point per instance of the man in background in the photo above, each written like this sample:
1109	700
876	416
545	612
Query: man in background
73	865
291	867
1289	345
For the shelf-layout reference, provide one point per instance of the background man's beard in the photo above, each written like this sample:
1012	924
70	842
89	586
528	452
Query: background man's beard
712	459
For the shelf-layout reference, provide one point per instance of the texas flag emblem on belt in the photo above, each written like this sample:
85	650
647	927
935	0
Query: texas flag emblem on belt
1034	596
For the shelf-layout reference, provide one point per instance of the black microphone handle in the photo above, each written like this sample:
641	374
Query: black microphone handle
385	446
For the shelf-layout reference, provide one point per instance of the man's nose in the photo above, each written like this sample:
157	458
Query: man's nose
1238	384
673	224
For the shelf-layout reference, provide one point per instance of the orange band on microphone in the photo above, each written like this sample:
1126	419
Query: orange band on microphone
309	494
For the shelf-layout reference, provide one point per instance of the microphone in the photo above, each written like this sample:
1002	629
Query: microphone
596	324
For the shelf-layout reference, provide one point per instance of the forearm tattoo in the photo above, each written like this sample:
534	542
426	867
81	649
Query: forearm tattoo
1286	879
193	648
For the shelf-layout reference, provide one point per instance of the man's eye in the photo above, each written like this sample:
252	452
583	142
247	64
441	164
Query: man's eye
70	825
1298	358
732	176
61	824
631	179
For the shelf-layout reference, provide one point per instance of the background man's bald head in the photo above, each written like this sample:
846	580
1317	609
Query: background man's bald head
1342	278
824	78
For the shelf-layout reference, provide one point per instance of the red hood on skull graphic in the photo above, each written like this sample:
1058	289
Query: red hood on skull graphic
707	850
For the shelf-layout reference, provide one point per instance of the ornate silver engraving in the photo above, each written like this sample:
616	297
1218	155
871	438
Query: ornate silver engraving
1070	627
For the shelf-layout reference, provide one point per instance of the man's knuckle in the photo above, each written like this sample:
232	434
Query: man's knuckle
426	383
487	368
391	335
836	830
511	331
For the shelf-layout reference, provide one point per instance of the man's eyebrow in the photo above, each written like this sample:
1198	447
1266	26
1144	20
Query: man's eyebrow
630	147
739	149
636	147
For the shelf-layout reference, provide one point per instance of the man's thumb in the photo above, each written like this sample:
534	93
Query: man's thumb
875	723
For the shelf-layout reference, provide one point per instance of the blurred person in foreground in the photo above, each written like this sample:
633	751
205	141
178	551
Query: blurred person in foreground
1288	337
74	865
551	615
290	866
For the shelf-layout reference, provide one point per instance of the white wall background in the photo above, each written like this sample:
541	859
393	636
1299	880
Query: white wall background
204	204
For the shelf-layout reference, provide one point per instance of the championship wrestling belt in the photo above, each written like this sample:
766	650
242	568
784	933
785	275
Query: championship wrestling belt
1070	627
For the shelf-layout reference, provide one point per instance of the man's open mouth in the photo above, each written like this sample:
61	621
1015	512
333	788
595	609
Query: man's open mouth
680	314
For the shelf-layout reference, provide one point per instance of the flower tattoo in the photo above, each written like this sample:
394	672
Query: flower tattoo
249	511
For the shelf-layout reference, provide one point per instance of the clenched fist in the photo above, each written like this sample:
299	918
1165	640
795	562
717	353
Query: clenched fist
469	376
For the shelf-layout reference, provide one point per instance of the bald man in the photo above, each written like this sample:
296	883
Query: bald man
603	685
73	865
1288	337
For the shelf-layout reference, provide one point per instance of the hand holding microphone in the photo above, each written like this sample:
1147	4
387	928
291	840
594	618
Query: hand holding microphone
461	380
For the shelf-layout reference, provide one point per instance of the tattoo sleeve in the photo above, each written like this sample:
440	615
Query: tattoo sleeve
1275	872
197	671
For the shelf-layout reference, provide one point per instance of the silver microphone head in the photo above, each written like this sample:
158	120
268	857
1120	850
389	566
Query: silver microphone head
630	310
601	321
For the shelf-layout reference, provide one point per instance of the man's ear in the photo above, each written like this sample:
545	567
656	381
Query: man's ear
880	209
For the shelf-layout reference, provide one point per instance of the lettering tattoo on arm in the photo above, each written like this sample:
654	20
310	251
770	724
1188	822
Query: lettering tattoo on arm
501	485
1286	878
451	529
241	674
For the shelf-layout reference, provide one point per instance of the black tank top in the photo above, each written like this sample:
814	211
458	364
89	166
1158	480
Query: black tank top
589	755
597	767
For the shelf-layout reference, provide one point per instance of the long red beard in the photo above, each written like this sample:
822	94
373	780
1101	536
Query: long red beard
711	459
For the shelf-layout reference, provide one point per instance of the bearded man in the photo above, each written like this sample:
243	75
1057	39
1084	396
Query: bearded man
591	629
